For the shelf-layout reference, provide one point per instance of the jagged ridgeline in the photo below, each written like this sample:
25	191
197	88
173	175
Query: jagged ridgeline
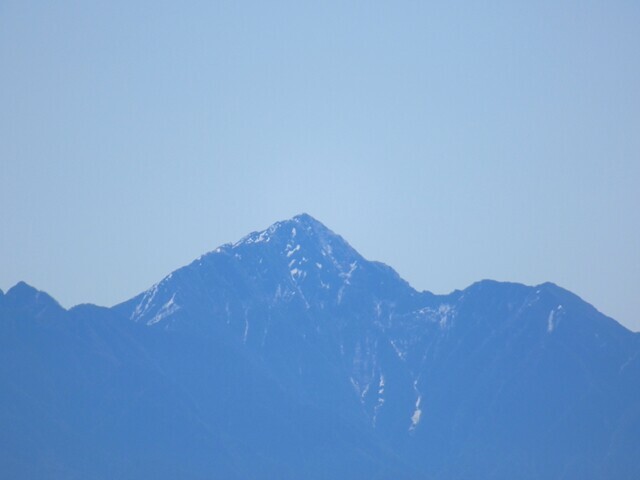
288	355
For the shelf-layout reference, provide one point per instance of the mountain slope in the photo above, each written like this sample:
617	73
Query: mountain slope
289	355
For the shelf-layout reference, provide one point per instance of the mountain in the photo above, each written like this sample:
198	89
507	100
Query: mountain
289	355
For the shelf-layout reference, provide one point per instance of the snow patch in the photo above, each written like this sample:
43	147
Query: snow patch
261	237
256	237
246	330
347	275
446	314
297	274
167	309
552	319
340	294
360	389
417	413
443	315
402	354
380	401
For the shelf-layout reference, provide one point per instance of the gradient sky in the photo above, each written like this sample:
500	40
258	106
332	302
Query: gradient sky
454	141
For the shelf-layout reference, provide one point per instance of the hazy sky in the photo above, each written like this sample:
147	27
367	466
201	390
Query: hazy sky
454	141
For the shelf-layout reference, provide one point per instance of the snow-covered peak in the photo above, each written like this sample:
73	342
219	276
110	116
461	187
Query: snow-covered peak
288	229
308	223
299	259
301	239
303	244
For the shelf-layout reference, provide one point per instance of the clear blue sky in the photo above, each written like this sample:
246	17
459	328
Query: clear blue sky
455	141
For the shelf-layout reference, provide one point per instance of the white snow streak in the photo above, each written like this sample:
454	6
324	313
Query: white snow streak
246	330
415	418
552	319
167	309
293	250
417	413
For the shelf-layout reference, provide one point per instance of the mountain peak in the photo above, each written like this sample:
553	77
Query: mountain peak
23	295
295	260
304	217
309	224
308	221
286	230
22	290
